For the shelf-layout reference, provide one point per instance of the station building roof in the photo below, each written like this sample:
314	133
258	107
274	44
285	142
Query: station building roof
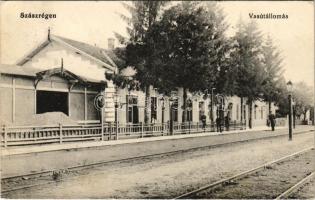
103	56
36	73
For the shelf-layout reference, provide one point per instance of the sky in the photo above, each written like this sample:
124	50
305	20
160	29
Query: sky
94	22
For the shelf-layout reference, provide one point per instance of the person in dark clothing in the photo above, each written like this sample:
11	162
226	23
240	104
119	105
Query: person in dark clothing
218	123
203	120
272	120
227	123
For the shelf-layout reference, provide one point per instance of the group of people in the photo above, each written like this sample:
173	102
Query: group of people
223	123
219	123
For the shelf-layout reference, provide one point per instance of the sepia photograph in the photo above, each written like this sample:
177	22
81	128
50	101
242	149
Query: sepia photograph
157	99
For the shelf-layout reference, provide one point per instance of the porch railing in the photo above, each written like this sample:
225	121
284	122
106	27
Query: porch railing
30	135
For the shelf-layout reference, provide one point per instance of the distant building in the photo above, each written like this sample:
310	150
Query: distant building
65	75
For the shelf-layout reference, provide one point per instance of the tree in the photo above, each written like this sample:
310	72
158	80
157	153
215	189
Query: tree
221	74
302	95
143	15
273	72
303	98
282	98
188	46
247	60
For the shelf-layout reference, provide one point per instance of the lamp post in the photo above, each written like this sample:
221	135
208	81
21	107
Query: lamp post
220	111
99	102
289	86
163	108
293	110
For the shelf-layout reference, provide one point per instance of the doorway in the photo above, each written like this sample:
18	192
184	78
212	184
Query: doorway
49	101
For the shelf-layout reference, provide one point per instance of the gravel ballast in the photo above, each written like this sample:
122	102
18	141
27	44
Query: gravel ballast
268	183
306	191
168	176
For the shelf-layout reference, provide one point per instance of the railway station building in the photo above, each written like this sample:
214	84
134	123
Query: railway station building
64	75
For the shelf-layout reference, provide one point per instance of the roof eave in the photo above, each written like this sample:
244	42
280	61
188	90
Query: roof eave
103	64
30	55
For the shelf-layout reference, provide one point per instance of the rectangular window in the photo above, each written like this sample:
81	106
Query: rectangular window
132	109
255	112
189	110
129	114
201	109
189	115
175	111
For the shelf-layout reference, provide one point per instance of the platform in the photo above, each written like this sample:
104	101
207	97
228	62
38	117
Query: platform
32	159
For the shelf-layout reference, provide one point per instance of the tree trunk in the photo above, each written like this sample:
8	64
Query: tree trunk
269	107
250	103
185	105
242	110
312	115
147	105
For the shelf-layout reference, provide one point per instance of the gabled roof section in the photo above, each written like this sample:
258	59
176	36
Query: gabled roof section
95	53
33	53
18	70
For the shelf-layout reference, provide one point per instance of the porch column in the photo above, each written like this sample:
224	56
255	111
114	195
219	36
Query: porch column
69	103
13	100
35	96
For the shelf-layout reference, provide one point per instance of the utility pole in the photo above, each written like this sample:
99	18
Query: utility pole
289	86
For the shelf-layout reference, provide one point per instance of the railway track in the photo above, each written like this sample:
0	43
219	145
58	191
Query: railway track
295	187
89	166
233	179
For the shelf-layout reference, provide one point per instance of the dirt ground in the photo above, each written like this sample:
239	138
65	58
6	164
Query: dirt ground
268	183
307	191
166	176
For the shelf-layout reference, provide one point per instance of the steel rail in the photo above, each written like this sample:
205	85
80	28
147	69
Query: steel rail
242	174
48	172
295	187
82	167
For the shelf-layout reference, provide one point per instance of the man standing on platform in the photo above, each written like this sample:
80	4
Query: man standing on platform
272	120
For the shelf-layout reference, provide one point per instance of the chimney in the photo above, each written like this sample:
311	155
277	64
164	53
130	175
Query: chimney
111	43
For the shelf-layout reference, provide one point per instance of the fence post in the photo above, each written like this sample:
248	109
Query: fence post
141	134
102	129
110	131
116	130
60	133
170	127
5	136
